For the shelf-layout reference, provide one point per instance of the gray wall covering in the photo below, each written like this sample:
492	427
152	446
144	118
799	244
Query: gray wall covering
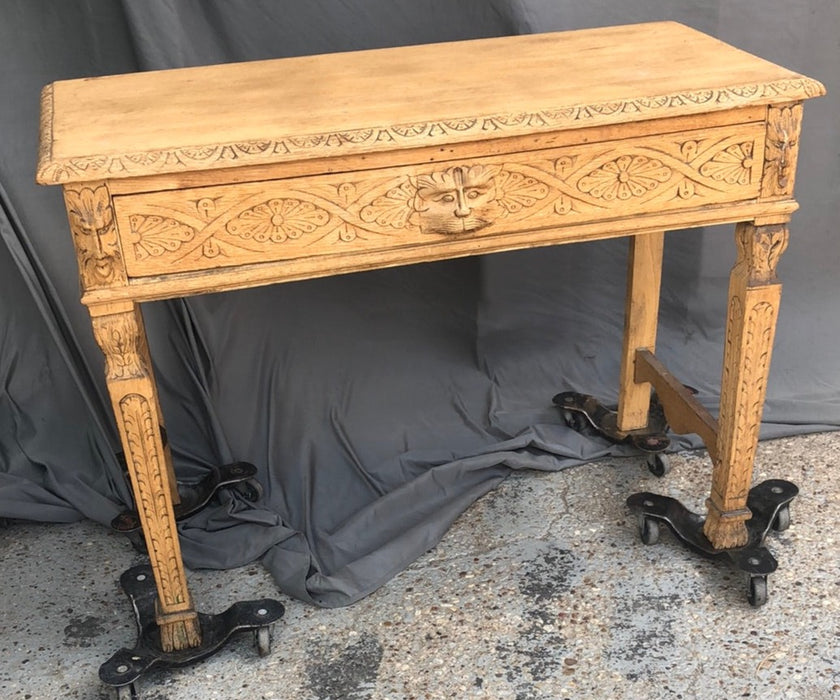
377	406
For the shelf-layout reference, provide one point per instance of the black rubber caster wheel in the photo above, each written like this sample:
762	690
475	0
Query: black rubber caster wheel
250	490
576	421
658	464
128	692
648	530
757	594
782	520
262	640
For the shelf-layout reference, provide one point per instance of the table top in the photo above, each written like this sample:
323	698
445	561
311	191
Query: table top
283	110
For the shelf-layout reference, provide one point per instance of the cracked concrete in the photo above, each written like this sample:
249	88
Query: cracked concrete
541	591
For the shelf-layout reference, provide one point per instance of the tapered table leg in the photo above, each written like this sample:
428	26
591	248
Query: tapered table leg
119	330
754	295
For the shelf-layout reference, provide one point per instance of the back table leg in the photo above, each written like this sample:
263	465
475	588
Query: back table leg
644	272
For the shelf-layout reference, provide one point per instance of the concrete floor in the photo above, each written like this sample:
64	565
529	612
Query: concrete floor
541	591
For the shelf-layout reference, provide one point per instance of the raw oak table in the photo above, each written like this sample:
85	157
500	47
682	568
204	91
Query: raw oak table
223	177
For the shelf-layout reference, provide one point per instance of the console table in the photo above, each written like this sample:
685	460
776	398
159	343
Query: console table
207	179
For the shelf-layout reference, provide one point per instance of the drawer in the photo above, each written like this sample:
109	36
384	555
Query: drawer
427	204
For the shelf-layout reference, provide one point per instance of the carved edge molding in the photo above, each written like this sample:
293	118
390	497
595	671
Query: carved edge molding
45	145
208	157
147	465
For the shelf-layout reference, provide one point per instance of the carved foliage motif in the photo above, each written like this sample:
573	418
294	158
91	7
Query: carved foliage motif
142	445
761	248
91	217
121	341
284	219
781	149
746	365
412	135
154	235
732	165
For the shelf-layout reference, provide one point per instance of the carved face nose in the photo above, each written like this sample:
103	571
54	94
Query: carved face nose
461	210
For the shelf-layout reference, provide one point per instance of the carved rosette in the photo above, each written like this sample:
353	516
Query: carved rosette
120	339
278	220
91	216
781	149
625	177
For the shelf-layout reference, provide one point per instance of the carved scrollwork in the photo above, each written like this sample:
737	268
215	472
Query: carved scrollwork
91	216
257	222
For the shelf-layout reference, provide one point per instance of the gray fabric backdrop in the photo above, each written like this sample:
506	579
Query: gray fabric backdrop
376	406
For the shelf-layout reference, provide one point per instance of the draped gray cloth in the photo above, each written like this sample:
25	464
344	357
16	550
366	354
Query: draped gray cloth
376	406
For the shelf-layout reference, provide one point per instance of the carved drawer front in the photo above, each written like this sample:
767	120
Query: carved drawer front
421	205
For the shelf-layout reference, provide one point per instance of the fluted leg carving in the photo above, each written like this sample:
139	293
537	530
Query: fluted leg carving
754	295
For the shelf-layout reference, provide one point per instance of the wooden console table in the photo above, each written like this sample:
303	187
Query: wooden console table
207	179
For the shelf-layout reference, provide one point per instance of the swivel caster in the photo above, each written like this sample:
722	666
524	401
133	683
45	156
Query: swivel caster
658	464
757	594
769	504
126	666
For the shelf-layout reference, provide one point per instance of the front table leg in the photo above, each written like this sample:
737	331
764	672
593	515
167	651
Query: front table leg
119	330
754	295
